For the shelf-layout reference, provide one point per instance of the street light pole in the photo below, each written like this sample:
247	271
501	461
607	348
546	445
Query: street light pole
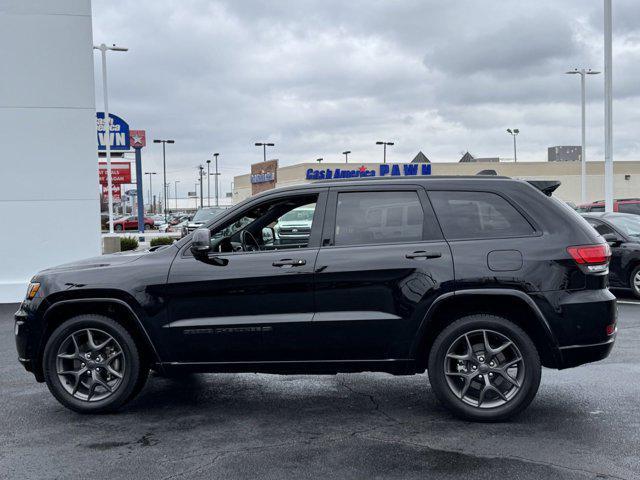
164	168
150	188
384	150
176	184
608	109
107	121
319	160
346	156
264	148
583	164
215	155
208	184
514	133
200	170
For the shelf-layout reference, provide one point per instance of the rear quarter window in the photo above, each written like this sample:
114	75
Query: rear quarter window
477	215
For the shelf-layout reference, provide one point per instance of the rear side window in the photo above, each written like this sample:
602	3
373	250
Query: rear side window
466	215
601	228
364	218
629	208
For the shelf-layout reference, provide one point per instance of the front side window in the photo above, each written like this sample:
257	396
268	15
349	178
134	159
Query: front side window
475	215
364	218
273	225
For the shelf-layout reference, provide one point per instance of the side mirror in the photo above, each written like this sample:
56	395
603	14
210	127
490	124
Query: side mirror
267	234
612	239
201	243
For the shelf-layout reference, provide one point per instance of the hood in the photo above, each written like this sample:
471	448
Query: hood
98	262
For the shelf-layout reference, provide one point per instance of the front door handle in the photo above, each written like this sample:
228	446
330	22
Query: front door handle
423	254
287	262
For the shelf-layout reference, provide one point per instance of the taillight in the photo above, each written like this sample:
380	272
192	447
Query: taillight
592	258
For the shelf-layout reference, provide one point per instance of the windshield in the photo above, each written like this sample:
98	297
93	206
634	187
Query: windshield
205	214
629	225
298	214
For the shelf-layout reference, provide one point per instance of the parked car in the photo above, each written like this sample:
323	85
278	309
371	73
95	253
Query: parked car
622	231
202	216
529	289
622	205
130	222
295	226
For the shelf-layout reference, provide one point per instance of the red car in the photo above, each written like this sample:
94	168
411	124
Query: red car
622	205
131	223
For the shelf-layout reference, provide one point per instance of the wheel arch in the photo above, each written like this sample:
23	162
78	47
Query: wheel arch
114	308
449	307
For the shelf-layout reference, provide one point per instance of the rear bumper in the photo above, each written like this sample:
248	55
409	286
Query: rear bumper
575	355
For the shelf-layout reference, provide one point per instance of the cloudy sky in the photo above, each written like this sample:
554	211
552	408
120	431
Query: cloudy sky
320	77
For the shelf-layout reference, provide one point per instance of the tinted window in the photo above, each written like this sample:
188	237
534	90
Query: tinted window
378	217
478	215
629	208
597	208
601	228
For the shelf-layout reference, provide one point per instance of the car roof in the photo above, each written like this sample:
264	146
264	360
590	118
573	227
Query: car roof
606	215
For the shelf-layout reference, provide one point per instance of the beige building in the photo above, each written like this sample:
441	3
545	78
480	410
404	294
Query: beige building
626	175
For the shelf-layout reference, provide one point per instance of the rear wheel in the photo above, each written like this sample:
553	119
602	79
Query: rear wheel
93	365
484	368
634	282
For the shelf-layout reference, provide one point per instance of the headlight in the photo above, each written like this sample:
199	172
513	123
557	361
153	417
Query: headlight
32	290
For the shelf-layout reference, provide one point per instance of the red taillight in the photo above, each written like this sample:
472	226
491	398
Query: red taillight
594	258
611	329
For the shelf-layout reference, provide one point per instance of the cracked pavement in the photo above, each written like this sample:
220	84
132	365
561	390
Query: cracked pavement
584	423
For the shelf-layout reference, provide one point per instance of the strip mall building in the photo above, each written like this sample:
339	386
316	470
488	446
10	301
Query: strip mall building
267	175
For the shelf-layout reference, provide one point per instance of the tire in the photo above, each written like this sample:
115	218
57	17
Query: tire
634	282
71	338
461	390
118	228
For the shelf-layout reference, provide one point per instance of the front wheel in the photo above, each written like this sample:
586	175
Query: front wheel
92	364
635	282
484	368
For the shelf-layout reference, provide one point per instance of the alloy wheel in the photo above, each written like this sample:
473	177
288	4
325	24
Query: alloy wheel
636	282
90	364
484	368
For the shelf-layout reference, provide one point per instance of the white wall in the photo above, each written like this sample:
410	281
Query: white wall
48	164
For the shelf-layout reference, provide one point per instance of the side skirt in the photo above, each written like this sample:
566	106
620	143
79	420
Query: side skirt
315	367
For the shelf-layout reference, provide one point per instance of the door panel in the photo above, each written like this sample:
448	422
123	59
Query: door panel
220	313
370	300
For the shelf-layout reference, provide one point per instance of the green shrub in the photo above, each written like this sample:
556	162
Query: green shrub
161	241
128	243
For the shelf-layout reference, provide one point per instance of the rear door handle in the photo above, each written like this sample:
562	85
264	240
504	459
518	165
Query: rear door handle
287	262
423	254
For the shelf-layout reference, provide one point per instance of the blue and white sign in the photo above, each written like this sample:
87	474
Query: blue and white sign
383	170
263	177
118	132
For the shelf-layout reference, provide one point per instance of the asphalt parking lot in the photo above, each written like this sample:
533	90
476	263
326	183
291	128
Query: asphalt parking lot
585	423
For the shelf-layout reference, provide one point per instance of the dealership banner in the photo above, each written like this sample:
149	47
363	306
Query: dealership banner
118	133
116	193
120	172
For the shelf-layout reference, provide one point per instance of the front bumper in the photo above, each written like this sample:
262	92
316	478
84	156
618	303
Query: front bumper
26	332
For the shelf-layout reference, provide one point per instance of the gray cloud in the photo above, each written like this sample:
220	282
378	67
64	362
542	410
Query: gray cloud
318	77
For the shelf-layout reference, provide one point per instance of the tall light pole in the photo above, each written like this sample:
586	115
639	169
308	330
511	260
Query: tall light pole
319	160
167	191
201	174
164	168
215	156
208	184
384	154
346	156
264	148
150	188
583	167
608	109
176	184
514	133
103	49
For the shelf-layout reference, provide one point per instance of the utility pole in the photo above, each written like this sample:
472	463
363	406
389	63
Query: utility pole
583	161
608	109
151	205
384	150
514	133
107	124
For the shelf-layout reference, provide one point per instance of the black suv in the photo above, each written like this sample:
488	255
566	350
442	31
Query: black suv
479	280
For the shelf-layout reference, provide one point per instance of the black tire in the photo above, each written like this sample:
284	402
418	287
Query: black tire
528	385
635	288
134	371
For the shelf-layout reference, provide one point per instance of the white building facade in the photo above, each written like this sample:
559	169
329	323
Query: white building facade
49	205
